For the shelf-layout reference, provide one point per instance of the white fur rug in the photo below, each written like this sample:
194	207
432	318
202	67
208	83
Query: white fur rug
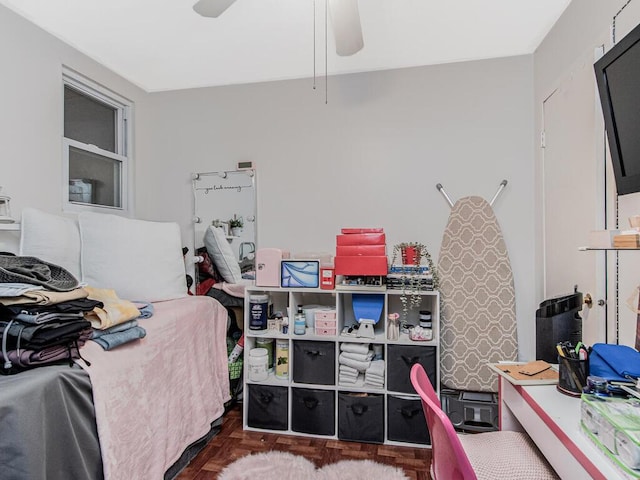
285	466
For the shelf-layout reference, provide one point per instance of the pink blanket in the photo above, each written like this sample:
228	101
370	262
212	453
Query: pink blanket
156	396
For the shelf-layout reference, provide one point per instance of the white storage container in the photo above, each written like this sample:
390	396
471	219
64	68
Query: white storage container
258	364
628	447
615	422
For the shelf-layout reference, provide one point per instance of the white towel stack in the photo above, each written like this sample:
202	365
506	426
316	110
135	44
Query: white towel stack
354	359
347	375
361	357
374	375
360	365
354	347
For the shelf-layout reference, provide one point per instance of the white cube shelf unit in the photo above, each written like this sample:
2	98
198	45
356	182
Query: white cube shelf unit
311	401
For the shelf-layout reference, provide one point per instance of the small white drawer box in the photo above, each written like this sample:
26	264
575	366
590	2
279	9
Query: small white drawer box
325	315
325	331
326	324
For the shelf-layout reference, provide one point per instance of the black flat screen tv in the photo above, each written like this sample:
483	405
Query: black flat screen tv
618	78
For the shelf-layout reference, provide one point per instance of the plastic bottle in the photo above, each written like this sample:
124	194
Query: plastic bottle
258	311
425	318
237	350
268	344
282	358
258	364
299	322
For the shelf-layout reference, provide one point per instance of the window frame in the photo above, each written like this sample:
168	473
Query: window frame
123	154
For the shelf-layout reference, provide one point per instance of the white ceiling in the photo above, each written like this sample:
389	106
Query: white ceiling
164	45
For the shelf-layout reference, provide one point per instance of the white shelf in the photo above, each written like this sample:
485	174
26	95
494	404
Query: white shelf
395	353
588	249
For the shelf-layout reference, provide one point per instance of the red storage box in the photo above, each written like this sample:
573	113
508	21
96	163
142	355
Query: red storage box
361	239
357	265
361	250
362	230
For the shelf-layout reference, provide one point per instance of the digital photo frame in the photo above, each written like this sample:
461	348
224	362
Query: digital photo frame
300	273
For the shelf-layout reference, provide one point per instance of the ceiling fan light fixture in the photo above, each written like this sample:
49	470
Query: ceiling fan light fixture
347	31
212	8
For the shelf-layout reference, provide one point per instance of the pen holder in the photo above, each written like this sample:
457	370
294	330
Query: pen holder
572	375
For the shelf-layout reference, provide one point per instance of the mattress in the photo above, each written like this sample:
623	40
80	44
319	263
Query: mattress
137	411
48	425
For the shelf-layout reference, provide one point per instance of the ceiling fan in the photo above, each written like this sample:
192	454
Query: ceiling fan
345	20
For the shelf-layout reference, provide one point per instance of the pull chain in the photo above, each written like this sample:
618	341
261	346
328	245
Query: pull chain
326	80
314	44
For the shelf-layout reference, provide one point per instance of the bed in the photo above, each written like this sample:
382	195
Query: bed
141	410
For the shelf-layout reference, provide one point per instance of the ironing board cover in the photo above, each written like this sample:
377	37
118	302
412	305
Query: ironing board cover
478	321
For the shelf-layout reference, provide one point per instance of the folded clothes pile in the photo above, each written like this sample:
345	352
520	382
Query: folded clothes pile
41	314
374	375
347	375
116	323
354	360
46	316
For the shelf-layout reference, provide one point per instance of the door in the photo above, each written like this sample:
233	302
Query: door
573	195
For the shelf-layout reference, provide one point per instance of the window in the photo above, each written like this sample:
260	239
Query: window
95	146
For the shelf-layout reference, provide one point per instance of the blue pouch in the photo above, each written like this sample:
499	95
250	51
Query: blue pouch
616	363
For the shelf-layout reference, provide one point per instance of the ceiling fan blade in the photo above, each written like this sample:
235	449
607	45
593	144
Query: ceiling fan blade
345	19
212	8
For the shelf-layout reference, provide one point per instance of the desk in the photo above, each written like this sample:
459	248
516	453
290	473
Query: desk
552	420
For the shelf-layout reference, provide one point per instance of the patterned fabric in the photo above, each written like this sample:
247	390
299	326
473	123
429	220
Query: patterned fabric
478	321
506	455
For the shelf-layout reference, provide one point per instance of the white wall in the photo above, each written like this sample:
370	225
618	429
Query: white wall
31	113
585	25
370	157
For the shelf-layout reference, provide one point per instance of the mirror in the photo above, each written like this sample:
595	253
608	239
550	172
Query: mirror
227	200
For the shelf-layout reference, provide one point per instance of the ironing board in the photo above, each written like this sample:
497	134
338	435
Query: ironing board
478	321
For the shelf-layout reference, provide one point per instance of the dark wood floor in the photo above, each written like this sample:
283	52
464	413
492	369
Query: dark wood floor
233	442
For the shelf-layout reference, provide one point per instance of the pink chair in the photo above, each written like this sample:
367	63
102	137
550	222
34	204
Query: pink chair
491	456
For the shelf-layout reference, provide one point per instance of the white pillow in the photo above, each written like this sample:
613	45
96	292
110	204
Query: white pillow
52	238
138	259
221	254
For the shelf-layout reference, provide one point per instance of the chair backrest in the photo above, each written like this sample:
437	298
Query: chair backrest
449	461
420	378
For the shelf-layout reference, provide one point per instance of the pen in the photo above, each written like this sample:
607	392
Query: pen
583	354
568	352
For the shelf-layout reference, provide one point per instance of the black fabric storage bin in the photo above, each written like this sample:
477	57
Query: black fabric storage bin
400	359
314	362
361	418
267	407
406	421
313	411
